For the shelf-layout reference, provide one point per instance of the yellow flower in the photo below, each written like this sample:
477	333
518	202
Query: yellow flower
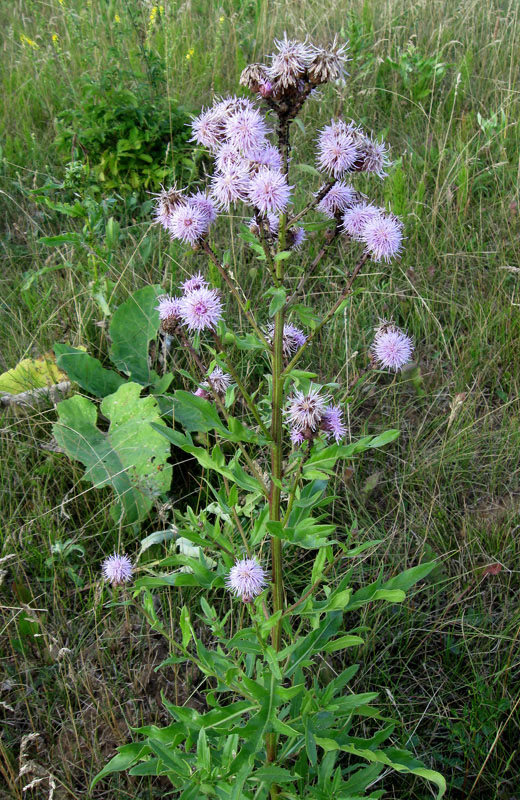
161	9
60	2
153	14
190	53
117	18
221	19
25	40
55	41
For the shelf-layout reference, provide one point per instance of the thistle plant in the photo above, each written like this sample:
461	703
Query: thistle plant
281	720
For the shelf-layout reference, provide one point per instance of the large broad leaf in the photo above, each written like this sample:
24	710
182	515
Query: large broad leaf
87	371
130	457
133	326
31	373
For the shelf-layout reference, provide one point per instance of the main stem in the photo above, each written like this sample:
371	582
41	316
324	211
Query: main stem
276	435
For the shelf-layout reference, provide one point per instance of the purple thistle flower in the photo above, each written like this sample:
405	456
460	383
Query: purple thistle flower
188	223
201	392
328	64
267	156
201	309
297	237
291	61
293	338
167	201
269	191
228	157
265	89
195	282
246	579
332	423
355	218
383	236
230	186
391	347
340	197
338	148
117	569
219	381
246	130
297	437
207	129
201	201
169	307
306	410
374	156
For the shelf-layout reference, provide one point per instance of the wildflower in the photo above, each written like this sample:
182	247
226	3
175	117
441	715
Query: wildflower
167	202
246	130
290	62
269	190
296	237
305	411
373	156
230	186
297	437
332	422
293	338
169	313
254	76
117	18
228	156
265	89
328	64
267	156
340	197
188	223
207	129
117	569
355	218
30	42
195	282
219	381
338	148
201	201
246	579
383	236
391	347
201	309
190	53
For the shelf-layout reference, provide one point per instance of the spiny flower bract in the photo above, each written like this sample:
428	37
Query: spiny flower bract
391	347
290	62
117	569
201	309
246	579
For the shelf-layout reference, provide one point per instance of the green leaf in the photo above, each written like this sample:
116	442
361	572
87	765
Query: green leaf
157	538
87	371
131	456
272	774
203	751
133	326
342	643
278	301
406	579
128	755
185	623
313	642
283	255
62	238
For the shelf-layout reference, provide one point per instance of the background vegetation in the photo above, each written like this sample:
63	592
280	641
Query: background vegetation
96	95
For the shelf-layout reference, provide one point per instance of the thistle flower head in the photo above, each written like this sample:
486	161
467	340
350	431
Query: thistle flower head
391	348
332	423
230	186
201	201
355	218
374	156
169	307
195	282
297	437
267	156
265	89
188	223
338	148
290	62
269	191
246	579
219	381
296	237
207	129
201	309
227	157
167	201
293	338
337	199
246	130
117	569
328	64
306	410
254	76
383	236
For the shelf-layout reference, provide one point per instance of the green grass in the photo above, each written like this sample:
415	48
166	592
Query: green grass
448	488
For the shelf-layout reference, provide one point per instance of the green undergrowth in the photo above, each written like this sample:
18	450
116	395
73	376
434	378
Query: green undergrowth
439	81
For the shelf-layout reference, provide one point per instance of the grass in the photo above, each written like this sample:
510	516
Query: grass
439	80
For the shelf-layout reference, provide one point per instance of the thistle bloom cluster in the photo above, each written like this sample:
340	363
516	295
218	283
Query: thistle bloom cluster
309	413
246	579
185	217
381	233
199	308
218	382
117	569
391	348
